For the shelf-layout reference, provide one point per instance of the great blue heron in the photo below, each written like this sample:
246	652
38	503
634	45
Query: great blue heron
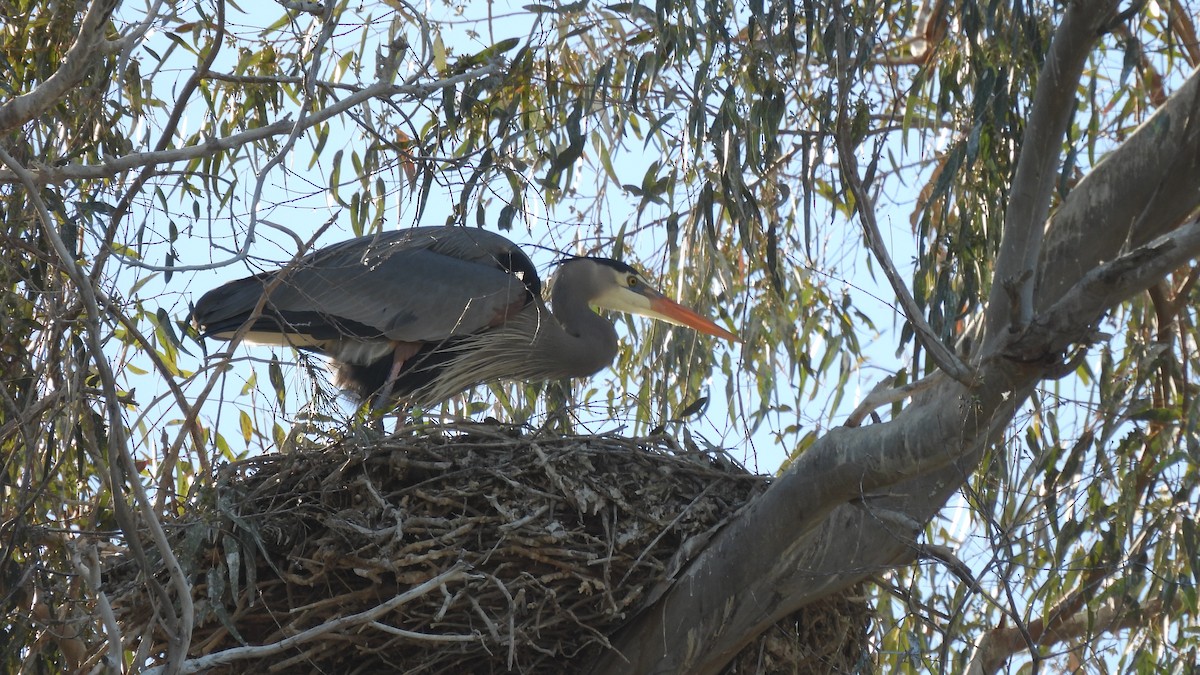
419	315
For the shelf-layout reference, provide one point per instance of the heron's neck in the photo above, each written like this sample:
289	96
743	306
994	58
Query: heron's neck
584	342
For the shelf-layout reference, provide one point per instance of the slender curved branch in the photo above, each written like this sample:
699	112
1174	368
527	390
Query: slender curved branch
181	401
193	412
51	175
1074	316
120	461
937	350
366	617
865	207
329	25
79	58
182	98
108	169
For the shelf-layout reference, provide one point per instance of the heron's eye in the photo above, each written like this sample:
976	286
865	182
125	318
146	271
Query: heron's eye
633	281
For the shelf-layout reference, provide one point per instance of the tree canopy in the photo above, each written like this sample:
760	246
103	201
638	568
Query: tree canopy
958	239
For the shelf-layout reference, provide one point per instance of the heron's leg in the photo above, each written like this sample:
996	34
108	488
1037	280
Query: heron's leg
400	355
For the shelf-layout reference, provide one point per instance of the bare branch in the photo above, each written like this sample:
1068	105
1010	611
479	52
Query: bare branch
865	207
883	394
79	58
1142	190
1074	316
1033	184
1000	644
60	175
938	351
427	637
48	175
90	572
182	98
367	617
329	25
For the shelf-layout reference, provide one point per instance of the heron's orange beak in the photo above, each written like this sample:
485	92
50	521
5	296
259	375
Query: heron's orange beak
669	310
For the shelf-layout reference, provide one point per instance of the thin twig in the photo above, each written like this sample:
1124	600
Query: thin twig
938	351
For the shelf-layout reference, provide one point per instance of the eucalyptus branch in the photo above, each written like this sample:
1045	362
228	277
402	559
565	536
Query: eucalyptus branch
1073	318
90	572
1143	189
168	462
111	168
844	136
80	57
279	80
1114	615
182	98
884	393
938	351
49	175
1011	300
120	461
329	25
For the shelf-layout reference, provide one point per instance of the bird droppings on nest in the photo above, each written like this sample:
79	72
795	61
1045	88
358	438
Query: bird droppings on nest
453	552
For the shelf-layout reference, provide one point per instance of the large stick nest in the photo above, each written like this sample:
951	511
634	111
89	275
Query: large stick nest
475	552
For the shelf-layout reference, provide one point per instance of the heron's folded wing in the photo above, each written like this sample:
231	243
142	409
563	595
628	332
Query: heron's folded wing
417	285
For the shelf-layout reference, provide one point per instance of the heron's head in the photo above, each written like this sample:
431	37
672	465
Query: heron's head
611	284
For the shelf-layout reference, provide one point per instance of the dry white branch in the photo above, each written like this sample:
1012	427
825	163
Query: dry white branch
367	617
424	637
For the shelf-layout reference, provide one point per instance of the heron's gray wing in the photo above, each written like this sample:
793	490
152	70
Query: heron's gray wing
417	285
